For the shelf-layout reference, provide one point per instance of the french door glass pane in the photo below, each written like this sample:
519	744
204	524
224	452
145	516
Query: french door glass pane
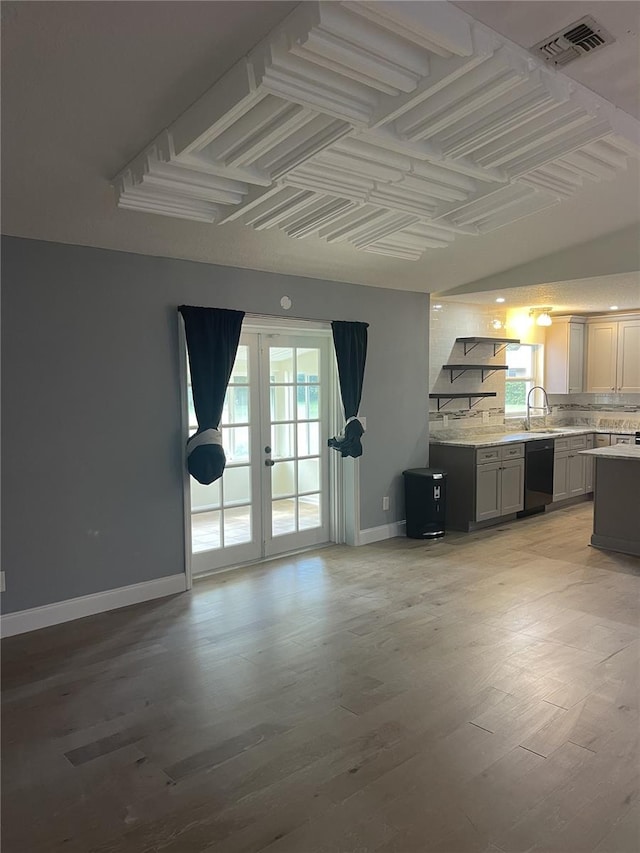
282	444
240	372
308	364
235	441
309	438
283	517
237	525
205	531
283	479
236	405
308	400
281	365
309	515
308	475
204	497
281	402
237	485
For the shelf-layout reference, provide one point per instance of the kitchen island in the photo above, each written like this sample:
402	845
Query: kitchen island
616	498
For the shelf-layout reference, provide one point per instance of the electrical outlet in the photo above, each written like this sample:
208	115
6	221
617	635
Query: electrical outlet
2	586
385	503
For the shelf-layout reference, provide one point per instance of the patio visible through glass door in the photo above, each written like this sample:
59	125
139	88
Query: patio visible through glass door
273	495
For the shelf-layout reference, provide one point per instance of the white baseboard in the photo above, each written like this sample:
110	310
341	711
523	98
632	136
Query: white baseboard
88	605
385	531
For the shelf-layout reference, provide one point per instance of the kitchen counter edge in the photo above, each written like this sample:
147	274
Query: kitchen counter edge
510	438
616	451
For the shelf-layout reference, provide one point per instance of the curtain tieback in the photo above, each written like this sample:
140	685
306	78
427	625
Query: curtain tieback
347	422
207	436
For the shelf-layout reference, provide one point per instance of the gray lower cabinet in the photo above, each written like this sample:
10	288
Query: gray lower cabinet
569	468
500	484
488	491
589	462
512	486
482	484
576	475
561	475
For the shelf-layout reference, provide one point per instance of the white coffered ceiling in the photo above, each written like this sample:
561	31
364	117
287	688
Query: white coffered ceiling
393	144
395	127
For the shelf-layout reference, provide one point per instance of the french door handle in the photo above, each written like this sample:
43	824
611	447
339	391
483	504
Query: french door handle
269	463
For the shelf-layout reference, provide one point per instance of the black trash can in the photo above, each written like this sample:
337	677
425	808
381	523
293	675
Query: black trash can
425	494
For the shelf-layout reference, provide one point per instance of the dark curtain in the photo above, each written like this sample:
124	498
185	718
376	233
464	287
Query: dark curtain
212	344
350	342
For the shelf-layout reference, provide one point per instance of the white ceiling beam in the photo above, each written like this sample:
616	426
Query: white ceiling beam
440	29
288	203
313	221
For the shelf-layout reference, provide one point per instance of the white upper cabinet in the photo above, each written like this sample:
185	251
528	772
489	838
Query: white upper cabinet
613	356
602	356
564	356
628	373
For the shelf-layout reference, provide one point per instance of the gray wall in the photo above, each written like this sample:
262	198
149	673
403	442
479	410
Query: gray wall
92	482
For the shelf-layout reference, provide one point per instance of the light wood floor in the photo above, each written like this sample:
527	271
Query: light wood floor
479	693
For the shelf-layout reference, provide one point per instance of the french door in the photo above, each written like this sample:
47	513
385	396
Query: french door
274	494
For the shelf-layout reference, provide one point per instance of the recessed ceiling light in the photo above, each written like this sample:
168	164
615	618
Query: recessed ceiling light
613	308
437	306
500	299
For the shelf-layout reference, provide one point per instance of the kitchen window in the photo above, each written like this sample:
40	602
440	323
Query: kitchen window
525	371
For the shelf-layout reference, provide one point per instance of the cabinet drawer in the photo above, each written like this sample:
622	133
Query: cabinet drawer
561	444
621	439
578	442
603	440
512	451
487	454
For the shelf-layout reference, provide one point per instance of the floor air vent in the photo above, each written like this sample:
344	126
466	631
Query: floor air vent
572	42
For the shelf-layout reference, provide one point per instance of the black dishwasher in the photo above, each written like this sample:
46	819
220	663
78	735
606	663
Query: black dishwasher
538	475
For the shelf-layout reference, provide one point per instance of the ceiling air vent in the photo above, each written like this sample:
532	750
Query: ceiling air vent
572	42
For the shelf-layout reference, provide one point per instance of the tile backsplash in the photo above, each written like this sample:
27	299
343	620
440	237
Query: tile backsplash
596	402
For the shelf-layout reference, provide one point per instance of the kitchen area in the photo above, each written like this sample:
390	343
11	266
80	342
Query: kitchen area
518	442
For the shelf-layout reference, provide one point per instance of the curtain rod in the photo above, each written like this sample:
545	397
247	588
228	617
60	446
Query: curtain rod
284	317
271	317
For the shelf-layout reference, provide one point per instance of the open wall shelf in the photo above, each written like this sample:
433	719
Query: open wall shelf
466	395
485	369
498	343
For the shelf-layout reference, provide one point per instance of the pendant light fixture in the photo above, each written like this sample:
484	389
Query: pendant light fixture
544	318
541	316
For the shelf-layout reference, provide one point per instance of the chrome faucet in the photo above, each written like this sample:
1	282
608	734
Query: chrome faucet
546	407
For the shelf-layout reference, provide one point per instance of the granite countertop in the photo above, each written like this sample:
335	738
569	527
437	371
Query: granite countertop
616	451
497	438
